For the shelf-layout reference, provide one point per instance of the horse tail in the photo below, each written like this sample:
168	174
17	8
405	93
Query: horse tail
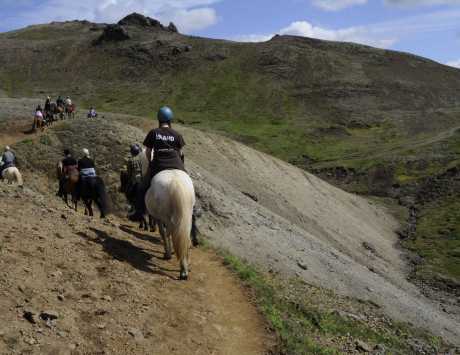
182	211
101	195
18	177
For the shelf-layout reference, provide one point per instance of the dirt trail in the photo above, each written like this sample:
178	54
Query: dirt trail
110	288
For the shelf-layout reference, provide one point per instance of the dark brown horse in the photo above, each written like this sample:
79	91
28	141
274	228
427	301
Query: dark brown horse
92	189
70	184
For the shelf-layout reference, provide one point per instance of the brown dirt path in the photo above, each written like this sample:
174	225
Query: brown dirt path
111	290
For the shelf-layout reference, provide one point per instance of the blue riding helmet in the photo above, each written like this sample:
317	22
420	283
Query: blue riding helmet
135	149
165	115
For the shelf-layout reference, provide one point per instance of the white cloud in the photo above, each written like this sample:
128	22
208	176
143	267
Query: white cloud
382	35
422	2
189	15
351	34
191	20
306	29
335	5
253	38
454	63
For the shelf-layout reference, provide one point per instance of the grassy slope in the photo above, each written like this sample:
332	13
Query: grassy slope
316	104
310	320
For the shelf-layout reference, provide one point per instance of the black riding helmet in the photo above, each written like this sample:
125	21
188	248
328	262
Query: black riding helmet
66	151
135	149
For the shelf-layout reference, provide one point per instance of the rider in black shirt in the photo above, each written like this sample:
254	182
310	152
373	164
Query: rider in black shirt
166	145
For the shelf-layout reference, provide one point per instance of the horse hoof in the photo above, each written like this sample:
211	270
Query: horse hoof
167	257
183	276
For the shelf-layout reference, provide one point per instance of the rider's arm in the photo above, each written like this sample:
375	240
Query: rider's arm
148	153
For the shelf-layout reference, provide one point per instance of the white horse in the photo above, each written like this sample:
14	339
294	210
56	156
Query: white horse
170	200
11	175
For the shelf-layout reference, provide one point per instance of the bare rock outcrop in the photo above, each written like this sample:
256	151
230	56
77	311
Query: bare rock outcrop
113	33
136	19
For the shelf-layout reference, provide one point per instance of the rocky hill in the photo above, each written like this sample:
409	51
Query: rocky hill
368	120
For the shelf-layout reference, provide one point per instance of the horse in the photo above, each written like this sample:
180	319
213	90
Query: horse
170	200
53	112
93	189
11	175
70	111
70	184
130	194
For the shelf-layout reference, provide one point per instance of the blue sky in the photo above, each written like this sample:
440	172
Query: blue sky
430	28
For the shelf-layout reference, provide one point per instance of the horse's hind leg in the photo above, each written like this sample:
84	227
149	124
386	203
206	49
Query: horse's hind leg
88	208
152	224
166	242
75	202
143	225
194	233
184	268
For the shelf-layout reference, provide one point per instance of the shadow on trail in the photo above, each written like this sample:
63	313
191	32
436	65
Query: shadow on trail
142	236
125	251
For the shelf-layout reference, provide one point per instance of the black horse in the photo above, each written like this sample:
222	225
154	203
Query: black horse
93	189
129	190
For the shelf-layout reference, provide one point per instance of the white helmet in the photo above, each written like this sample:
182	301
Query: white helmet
86	152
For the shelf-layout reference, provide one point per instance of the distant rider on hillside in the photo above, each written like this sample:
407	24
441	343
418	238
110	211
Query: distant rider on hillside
92	113
8	159
60	101
68	101
48	104
166	145
68	164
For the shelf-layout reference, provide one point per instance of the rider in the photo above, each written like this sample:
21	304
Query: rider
48	104
8	159
86	166
134	171
68	101
87	171
92	113
38	115
166	145
68	163
59	101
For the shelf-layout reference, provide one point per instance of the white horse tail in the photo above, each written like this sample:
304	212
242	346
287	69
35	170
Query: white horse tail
181	219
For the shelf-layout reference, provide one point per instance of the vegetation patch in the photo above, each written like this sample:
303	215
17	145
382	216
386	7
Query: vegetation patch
437	240
311	320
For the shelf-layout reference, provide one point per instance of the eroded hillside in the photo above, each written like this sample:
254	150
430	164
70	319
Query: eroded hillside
264	210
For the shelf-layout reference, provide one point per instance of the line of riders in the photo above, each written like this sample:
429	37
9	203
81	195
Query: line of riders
172	189
52	110
163	151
